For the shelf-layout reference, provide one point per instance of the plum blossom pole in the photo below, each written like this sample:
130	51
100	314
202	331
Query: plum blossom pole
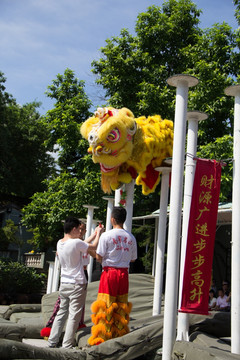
56	274
110	204
235	277
117	197
50	277
91	209
158	282
193	118
129	188
182	83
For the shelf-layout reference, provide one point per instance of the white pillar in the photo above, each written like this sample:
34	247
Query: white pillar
88	233
56	275
235	277
117	197
155	246
193	118
110	203
91	260
50	277
182	82
129	205
162	220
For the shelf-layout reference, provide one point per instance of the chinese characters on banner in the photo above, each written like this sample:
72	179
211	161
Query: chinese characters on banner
201	237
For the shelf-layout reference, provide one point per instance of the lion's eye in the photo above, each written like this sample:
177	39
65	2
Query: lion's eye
113	136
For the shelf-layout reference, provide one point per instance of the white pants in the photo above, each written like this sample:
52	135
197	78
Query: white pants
71	305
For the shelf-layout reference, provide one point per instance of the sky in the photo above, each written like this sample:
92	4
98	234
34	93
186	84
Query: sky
41	38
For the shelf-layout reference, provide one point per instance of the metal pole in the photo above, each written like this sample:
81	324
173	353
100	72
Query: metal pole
182	82
155	247
117	197
162	220
91	259
56	274
193	118
50	277
129	205
110	203
88	233
235	277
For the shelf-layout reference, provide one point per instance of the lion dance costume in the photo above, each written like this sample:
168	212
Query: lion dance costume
126	148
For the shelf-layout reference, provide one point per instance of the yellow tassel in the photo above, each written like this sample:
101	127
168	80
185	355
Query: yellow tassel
94	341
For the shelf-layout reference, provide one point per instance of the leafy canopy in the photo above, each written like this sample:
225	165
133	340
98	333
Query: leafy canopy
78	179
24	161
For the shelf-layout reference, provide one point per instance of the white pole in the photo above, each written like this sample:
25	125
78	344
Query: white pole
129	205
56	275
193	118
235	277
91	260
117	197
162	220
88	233
182	82
50	277
110	203
155	247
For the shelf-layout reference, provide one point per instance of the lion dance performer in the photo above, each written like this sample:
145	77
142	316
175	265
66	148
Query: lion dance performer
116	249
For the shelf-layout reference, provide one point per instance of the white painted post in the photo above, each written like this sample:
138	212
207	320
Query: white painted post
110	203
193	118
155	247
129	205
88	233
117	197
91	259
182	82
56	275
235	277
162	220
50	277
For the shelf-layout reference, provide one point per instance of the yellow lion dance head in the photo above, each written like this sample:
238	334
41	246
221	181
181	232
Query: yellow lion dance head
127	148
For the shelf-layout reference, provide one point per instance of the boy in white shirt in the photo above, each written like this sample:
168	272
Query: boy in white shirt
116	249
73	281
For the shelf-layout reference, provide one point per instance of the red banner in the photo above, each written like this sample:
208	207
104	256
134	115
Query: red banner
201	237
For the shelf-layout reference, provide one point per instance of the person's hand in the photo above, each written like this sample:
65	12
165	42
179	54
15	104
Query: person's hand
100	229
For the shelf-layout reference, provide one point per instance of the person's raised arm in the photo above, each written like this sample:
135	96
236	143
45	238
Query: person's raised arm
94	245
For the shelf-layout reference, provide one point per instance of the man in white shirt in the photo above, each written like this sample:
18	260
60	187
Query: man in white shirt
73	285
116	249
222	304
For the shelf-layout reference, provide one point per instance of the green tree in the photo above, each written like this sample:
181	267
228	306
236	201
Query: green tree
65	196
222	149
63	121
24	161
78	180
133	69
8	235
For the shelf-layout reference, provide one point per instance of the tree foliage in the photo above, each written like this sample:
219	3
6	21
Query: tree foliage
221	149
63	121
78	180
24	161
8	235
133	70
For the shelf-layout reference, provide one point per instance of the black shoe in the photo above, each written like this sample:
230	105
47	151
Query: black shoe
53	346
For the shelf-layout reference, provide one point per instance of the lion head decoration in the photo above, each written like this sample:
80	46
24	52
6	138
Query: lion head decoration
128	148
